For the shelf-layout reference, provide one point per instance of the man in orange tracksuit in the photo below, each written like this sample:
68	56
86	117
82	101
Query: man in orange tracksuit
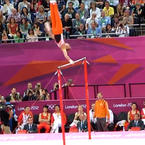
101	112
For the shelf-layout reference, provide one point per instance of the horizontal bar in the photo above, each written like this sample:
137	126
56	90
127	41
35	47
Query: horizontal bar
65	65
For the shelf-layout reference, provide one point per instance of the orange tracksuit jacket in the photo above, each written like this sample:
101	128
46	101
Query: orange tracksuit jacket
101	109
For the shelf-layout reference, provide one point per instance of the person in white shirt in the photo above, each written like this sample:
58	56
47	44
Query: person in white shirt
23	4
122	30
111	121
95	9
92	119
56	120
143	113
92	18
7	8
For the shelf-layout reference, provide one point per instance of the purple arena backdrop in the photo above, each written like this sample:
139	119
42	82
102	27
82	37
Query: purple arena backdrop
112	61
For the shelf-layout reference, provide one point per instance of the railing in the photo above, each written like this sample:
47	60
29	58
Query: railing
137	90
76	91
131	90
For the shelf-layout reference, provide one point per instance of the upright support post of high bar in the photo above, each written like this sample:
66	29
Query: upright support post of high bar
87	97
65	65
61	105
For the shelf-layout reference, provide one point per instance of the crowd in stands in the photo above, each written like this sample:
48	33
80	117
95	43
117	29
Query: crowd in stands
30	94
34	93
101	118
23	20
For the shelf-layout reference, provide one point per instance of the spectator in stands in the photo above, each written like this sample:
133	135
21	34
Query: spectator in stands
125	3
18	38
61	5
34	6
25	14
70	10
38	91
143	113
12	27
15	15
2	99
82	124
29	88
80	32
74	2
113	3
37	31
119	10
41	17
109	11
115	22
56	119
87	3
67	25
45	95
24	27
132	112
2	17
14	95
1	30
80	119
4	122
136	123
94	30
76	22
109	30
122	30
103	20
101	113
94	9
31	37
44	120
12	117
134	2
138	14
23	4
127	18
4	36
23	117
100	3
92	119
30	127
93	18
83	12
29	96
7	9
46	5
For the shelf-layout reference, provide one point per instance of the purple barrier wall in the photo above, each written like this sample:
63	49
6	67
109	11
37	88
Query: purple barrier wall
70	106
112	61
137	90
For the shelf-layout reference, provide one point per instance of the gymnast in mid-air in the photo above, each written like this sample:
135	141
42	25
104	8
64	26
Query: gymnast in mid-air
57	30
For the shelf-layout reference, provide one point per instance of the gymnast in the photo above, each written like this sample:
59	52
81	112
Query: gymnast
57	30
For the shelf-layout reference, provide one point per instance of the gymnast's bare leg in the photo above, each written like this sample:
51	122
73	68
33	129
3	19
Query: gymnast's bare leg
57	31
